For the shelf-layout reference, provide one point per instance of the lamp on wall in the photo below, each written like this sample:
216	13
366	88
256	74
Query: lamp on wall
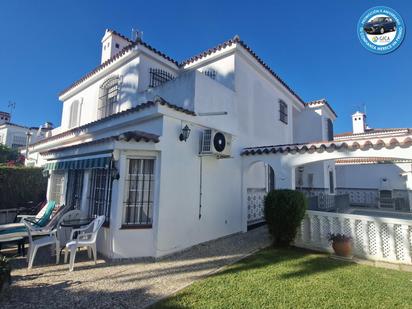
114	173
46	173
184	135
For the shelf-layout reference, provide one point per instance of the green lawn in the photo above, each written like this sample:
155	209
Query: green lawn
293	278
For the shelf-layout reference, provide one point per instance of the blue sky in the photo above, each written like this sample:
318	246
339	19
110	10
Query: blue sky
312	45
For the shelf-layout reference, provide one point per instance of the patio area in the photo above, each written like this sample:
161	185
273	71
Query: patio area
122	284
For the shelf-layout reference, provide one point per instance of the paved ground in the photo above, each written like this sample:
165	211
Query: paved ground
122	284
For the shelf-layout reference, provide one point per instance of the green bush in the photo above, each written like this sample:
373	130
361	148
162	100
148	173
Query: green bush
5	270
20	185
284	211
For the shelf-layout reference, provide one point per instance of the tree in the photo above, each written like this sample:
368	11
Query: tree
8	154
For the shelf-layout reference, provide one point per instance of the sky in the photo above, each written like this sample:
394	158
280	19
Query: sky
312	45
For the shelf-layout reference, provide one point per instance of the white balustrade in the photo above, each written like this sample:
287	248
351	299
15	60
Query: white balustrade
377	238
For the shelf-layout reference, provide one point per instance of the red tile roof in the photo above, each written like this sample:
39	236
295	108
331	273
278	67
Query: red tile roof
372	131
128	136
371	160
321	146
321	101
235	40
138	108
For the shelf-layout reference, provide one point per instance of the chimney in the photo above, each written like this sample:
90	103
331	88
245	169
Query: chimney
112	43
5	117
358	123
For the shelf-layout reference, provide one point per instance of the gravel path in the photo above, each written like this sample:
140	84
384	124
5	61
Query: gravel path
122	284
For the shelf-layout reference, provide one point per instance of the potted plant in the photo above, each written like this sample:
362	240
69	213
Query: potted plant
5	277
341	244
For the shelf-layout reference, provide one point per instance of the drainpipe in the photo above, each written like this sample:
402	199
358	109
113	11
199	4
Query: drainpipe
28	138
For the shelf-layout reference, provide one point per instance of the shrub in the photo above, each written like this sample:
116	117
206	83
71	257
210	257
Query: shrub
5	270
284	211
19	185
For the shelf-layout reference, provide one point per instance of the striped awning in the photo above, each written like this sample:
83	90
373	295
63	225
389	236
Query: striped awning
79	163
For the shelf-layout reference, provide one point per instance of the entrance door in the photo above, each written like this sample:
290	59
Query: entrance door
74	188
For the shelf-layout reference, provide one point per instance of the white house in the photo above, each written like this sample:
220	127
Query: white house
16	136
156	145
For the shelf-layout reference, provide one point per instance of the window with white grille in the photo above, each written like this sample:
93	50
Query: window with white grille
56	188
139	193
108	99
283	112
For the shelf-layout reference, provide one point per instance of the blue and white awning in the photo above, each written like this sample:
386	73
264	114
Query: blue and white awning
80	163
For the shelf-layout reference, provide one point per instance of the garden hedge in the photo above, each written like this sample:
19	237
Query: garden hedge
19	185
284	211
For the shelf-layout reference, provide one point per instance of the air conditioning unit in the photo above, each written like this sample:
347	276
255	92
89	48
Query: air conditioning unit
215	143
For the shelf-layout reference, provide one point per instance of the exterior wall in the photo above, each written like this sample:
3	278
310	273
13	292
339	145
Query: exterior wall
369	176
9	134
179	225
257	107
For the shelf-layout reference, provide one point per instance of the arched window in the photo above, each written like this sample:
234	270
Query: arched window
108	98
74	114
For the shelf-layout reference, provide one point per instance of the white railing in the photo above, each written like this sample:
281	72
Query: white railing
376	238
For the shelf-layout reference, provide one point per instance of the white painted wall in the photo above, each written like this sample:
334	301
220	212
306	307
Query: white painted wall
370	175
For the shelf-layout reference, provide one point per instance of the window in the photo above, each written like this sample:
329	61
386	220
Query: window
331	183
18	141
108	99
158	77
330	129
283	112
56	188
100	193
117	45
74	114
310	180
139	187
211	73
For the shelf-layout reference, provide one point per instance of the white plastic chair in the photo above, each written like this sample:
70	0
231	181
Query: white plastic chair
84	239
63	234
50	238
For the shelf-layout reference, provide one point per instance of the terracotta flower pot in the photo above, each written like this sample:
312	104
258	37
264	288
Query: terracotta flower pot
342	247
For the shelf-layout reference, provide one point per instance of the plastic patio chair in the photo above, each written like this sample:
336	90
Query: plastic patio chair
35	244
64	234
84	239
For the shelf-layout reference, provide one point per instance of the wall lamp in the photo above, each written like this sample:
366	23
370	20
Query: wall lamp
46	173
184	135
114	173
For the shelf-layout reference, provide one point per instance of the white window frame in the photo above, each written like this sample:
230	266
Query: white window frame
283	112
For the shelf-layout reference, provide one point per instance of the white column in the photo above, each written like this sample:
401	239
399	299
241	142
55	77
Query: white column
365	237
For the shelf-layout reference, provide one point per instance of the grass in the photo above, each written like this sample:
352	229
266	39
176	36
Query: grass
294	278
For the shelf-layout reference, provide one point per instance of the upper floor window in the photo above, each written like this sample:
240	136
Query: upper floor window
108	98
211	73
18	141
158	77
330	129
74	114
283	112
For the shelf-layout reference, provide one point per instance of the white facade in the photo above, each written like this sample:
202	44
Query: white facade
193	198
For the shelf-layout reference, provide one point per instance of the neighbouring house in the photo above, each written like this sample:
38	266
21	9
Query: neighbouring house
179	153
17	136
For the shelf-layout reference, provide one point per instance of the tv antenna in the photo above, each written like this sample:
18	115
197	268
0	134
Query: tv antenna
136	34
12	106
